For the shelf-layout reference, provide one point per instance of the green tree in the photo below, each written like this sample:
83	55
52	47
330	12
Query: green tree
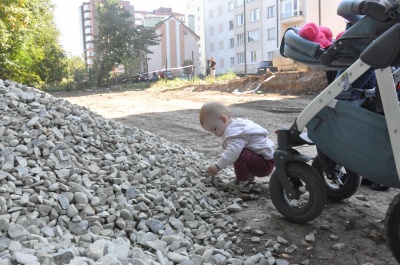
29	48
76	68
118	41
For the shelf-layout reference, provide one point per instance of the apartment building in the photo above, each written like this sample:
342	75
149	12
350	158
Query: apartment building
89	26
242	33
194	10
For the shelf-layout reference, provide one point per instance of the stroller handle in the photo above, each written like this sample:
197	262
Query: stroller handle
351	10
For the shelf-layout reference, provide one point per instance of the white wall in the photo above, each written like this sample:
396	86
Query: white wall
213	37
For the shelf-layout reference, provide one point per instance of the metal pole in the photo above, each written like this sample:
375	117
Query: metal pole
277	23
245	37
319	12
147	68
192	67
166	68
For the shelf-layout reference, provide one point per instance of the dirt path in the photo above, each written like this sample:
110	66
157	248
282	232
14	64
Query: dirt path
174	115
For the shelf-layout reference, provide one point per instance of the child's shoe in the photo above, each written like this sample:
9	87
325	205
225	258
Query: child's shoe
243	186
236	186
252	180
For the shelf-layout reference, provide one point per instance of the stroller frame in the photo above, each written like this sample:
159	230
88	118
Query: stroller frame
293	177
289	138
370	57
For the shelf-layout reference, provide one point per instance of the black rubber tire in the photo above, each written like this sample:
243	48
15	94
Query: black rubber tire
392	227
334	191
310	180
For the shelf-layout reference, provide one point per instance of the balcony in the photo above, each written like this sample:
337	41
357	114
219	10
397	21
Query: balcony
292	17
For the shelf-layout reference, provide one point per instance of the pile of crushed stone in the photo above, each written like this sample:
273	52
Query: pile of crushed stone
77	188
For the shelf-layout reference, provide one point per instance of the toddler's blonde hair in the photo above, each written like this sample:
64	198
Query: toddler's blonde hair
212	110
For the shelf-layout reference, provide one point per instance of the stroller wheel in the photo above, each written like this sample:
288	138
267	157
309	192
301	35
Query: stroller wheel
392	227
343	185
310	197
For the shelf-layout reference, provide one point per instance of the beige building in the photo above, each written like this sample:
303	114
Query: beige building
178	43
150	19
297	13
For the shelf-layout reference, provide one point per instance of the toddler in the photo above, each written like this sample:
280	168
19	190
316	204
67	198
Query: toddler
245	144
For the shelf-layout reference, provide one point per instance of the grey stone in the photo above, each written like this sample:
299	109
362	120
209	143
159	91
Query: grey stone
63	257
155	225
17	232
24	258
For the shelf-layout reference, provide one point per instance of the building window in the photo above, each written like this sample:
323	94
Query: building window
271	11
240	19
221	45
230	24
270	56
211	47
211	14
231	43
220	10
211	31
253	35
230	6
291	8
253	56
232	61
239	39
271	33
254	15
240	58
239	2
221	28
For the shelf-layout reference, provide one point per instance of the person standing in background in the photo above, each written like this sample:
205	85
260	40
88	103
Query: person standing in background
213	65
208	67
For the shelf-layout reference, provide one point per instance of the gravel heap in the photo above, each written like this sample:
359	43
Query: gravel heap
77	188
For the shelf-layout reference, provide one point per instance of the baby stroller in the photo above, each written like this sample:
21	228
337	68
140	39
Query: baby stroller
362	142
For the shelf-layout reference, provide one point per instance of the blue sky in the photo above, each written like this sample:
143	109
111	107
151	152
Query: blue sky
67	18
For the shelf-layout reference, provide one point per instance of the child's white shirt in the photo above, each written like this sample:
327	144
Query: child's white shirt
243	133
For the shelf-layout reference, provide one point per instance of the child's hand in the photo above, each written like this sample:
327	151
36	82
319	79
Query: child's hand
213	170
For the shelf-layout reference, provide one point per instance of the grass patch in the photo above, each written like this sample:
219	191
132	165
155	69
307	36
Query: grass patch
181	83
177	83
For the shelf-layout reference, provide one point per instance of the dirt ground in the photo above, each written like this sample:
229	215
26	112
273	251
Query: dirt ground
173	115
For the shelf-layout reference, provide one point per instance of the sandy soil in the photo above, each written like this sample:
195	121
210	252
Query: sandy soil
174	115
